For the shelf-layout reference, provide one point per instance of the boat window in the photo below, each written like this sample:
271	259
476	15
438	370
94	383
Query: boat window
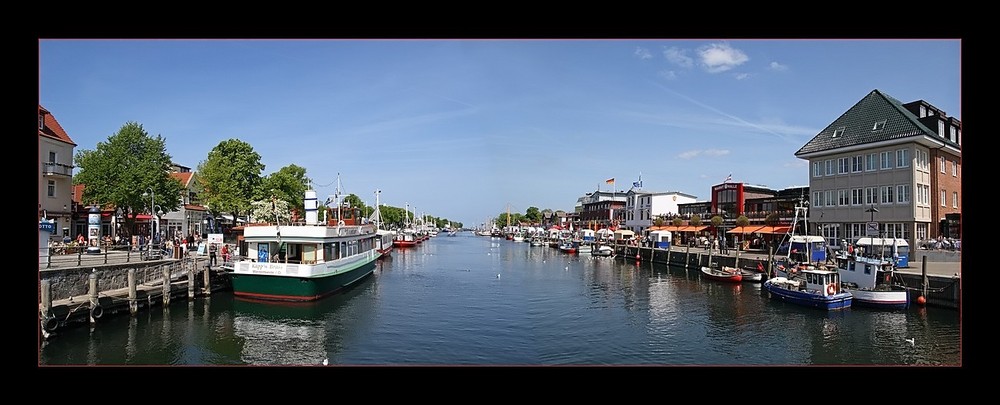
343	249
868	269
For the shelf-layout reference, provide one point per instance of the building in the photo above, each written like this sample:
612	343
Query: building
882	161
55	176
643	207
601	209
192	217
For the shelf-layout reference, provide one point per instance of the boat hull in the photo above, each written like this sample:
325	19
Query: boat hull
813	300
721	275
881	299
289	288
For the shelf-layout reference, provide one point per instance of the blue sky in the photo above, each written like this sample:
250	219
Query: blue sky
459	129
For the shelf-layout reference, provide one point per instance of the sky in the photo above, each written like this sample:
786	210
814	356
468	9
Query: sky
466	129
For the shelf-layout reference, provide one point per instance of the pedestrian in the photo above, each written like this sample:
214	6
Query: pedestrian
225	253
211	254
829	254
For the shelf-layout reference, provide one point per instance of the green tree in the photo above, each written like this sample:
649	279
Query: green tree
742	221
533	214
271	210
772	219
118	172
288	184
678	221
658	222
695	220
231	176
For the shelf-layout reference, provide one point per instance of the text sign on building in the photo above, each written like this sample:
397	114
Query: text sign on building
871	229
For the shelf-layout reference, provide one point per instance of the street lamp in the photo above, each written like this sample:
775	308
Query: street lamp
152	206
872	210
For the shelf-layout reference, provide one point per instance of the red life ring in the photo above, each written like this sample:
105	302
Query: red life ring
831	289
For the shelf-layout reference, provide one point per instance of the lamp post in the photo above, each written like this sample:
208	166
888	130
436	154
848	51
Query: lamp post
152	207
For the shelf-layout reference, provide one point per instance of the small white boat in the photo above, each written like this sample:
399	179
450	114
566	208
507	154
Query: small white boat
602	251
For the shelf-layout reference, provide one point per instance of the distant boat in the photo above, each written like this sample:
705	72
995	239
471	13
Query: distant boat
725	273
603	251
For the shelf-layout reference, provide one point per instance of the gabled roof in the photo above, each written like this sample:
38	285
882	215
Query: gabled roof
51	127
184	177
857	125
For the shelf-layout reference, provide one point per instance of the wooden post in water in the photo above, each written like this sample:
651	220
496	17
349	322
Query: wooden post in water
46	304
191	273
95	308
923	274
687	256
166	286
668	253
208	281
133	306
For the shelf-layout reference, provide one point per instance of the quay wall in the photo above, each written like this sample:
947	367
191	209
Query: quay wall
74	281
943	285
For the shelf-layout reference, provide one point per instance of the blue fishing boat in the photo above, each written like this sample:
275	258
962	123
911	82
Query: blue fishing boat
810	287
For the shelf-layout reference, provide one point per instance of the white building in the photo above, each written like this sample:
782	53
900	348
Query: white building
643	207
55	175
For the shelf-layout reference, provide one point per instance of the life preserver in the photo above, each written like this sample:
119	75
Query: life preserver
51	324
831	289
97	311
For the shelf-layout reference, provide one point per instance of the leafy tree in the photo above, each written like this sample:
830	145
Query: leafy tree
288	184
533	214
695	220
742	221
678	221
271	210
352	200
658	222
119	171
231	177
772	219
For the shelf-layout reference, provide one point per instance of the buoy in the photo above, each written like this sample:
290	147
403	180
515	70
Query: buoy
921	300
97	311
51	324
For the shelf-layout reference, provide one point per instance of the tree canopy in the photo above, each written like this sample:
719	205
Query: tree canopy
288	184
118	172
231	176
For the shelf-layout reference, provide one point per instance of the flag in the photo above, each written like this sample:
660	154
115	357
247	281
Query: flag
610	181
729	178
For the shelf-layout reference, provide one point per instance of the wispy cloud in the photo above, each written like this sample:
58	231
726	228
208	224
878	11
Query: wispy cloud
642	53
691	154
668	74
677	56
741	76
777	67
715	58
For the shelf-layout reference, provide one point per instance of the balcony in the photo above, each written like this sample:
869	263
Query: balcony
56	169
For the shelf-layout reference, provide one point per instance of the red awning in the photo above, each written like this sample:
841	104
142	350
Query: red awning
142	217
746	229
774	229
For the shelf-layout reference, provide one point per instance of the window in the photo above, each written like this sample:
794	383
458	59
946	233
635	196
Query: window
839	132
941	129
52	157
878	126
870	164
817	169
903	193
942	164
886	195
842	166
922	162
52	188
41	121
857	163
842	197
954	199
954	169
829	168
828	197
923	194
944	198
871	195
857	196
903	158
886	158
921	231
815	200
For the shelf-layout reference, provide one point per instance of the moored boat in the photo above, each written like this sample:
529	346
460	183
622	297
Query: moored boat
725	273
812	288
304	261
602	251
870	282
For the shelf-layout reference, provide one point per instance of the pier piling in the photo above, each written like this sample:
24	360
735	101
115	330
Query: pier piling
191	274
166	286
95	308
208	281
46	305
133	306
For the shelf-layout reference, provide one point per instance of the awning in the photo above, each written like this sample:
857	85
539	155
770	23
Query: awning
745	229
691	228
782	229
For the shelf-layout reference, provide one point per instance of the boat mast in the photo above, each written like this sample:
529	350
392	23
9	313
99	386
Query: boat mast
339	219
378	212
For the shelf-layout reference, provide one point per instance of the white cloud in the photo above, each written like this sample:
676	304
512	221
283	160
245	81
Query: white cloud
668	74
721	57
642	53
777	67
741	76
691	154
678	57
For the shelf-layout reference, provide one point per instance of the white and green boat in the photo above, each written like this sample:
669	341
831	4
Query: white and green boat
304	261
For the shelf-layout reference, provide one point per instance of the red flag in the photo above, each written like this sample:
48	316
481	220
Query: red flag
610	181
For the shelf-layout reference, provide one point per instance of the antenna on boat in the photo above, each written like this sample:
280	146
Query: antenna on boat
339	218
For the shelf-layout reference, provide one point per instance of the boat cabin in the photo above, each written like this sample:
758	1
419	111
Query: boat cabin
624	235
587	235
888	248
804	248
660	239
825	281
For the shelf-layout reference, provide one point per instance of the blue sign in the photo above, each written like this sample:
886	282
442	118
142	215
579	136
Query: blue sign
262	252
46	226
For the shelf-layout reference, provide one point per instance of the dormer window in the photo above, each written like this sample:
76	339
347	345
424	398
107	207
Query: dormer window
878	126
838	132
41	121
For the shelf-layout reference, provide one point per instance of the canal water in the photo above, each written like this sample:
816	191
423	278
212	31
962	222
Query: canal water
473	300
